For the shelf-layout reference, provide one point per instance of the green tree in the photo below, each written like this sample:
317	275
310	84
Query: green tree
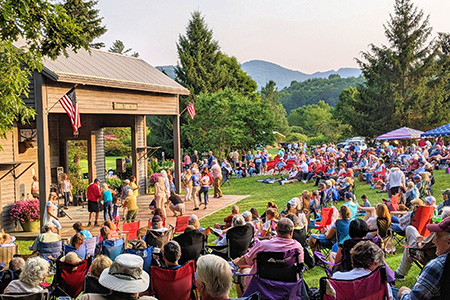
119	47
270	94
228	120
402	87
45	29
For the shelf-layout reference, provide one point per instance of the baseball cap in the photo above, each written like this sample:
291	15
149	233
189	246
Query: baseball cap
417	201
417	177
97	180
349	195
446	192
430	200
126	181
444	226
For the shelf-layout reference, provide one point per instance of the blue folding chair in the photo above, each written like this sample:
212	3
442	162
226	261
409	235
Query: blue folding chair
91	243
146	255
81	252
112	249
52	249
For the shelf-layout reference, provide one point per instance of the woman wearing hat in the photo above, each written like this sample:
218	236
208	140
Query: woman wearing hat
125	278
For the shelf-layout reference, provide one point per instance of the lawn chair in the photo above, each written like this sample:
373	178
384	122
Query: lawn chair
132	229
192	244
52	249
157	238
177	284
91	285
112	249
225	176
181	224
91	243
26	296
239	239
69	278
81	252
326	218
422	218
6	277
7	253
278	276
146	255
373	286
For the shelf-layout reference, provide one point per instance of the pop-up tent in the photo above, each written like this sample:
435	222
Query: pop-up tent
403	133
440	131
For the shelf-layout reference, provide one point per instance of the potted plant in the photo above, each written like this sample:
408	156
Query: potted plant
27	213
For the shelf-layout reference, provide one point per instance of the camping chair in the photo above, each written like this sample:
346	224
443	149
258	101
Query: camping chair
132	229
112	249
6	277
53	249
26	296
373	286
91	243
177	284
239	239
181	224
91	285
385	232
225	176
278	276
422	218
300	235
421	256
157	238
69	278
146	254
192	244
7	253
326	216
81	252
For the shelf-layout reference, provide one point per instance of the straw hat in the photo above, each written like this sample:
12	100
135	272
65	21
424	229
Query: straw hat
126	275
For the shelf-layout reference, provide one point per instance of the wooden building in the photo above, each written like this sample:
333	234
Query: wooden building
112	90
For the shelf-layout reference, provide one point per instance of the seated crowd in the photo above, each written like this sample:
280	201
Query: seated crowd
350	240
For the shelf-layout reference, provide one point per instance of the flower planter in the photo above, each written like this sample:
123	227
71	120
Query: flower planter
30	226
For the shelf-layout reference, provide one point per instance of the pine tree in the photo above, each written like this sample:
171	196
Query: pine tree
399	90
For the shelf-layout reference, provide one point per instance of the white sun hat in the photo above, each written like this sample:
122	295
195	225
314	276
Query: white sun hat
126	275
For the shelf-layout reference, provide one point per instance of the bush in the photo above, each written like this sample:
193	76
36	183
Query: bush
154	178
115	183
318	140
296	137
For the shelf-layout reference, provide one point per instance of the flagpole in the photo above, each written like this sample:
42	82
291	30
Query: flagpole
183	111
54	104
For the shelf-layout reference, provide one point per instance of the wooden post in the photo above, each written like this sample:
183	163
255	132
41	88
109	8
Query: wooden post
134	146
176	153
43	143
92	156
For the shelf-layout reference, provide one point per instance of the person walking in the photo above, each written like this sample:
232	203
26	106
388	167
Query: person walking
205	181
160	195
195	179
93	196
107	196
66	189
216	173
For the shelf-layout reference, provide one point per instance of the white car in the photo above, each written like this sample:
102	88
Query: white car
360	140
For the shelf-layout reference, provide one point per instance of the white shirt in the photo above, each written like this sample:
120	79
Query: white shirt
304	167
54	209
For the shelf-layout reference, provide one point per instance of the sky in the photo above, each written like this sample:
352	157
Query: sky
304	35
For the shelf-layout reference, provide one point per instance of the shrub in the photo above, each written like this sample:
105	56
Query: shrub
27	210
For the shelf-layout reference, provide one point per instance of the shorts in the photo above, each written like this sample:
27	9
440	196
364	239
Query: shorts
93	206
56	223
179	208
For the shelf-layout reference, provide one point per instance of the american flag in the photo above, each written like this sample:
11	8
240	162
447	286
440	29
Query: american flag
69	103
191	110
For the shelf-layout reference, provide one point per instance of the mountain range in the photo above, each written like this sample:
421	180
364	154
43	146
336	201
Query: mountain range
263	71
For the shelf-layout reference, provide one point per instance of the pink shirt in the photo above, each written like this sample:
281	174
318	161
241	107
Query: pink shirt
216	171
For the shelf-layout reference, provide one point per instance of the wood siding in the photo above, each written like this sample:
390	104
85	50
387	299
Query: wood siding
98	100
100	154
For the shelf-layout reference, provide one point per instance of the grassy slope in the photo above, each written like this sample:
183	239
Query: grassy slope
260	194
110	162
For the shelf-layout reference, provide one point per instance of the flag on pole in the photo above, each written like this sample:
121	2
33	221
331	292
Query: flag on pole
191	110
69	103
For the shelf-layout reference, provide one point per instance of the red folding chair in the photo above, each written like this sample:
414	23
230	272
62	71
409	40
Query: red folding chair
177	284
69	278
132	229
422	218
181	224
326	214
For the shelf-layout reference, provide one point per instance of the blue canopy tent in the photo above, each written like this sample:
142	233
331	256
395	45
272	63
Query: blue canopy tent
440	131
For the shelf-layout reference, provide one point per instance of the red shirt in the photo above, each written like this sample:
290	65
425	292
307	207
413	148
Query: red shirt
93	192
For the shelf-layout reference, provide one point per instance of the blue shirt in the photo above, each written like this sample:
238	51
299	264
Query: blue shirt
195	180
86	234
264	158
107	196
210	160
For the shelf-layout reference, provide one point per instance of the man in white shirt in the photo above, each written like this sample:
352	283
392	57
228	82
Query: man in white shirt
216	173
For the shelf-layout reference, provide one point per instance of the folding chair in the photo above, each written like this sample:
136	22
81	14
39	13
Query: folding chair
422	218
91	285
112	249
146	255
177	284
326	217
132	229
6	277
278	276
239	239
158	238
26	296
52	249
373	286
181	224
91	243
69	278
81	252
225	176
192	244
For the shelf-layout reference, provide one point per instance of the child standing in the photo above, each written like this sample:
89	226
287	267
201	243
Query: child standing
115	214
130	203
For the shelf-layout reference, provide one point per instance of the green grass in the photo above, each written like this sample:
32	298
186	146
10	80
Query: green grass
261	193
110	162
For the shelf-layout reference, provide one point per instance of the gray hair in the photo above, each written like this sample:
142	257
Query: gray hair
215	273
35	271
16	263
294	218
247	215
285	226
445	212
365	253
237	220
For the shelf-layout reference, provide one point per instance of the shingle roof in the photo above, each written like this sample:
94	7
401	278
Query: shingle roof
102	68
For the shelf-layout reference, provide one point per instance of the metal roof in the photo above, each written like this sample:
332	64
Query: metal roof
102	68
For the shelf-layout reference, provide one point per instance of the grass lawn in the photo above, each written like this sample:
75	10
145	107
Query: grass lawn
110	162
261	193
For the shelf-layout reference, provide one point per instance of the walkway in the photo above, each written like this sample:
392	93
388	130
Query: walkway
78	213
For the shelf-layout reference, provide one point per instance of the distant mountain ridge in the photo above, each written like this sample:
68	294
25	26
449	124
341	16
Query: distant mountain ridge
264	71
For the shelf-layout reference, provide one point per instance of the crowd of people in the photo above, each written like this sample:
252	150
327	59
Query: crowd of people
358	236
